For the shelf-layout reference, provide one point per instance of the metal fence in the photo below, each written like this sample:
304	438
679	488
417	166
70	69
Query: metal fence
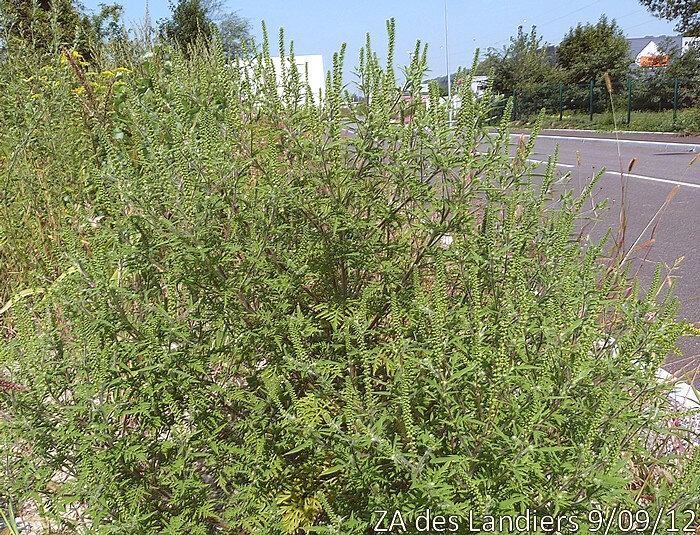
659	95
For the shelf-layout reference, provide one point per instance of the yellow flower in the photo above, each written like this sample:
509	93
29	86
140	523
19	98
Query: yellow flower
107	73
35	96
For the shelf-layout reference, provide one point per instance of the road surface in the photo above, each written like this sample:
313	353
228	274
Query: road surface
662	163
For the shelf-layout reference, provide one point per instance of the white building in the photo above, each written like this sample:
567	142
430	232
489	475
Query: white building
648	51
313	64
310	66
479	85
687	42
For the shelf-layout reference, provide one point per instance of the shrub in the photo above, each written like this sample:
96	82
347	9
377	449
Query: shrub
250	319
689	120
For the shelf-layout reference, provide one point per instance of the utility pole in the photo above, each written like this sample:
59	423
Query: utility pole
447	64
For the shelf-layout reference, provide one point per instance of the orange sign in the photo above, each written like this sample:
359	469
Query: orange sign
653	61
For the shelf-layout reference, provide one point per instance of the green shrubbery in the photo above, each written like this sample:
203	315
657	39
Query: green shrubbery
687	121
651	107
225	312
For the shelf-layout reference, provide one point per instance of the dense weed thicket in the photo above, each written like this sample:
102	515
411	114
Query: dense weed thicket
223	311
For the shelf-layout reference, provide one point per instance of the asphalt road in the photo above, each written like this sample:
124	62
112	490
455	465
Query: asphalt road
662	163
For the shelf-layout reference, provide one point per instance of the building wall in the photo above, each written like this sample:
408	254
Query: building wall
688	42
317	75
647	49
314	64
649	54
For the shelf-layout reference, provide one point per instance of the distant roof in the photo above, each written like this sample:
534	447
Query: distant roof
637	44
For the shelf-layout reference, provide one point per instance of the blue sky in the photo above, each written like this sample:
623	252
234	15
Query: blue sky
320	26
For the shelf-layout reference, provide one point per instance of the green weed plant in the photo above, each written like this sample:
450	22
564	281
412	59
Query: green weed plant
232	306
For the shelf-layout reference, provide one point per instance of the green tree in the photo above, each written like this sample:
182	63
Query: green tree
52	24
686	12
196	19
683	65
525	62
588	51
234	30
47	24
106	25
190	21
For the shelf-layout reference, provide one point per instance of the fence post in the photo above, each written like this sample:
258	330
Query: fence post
629	100
561	101
590	102
675	99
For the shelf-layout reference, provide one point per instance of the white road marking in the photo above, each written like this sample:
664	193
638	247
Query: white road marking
536	161
569	130
683	393
558	164
654	179
630	175
690	147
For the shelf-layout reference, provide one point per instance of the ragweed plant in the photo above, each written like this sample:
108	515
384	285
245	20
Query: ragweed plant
255	309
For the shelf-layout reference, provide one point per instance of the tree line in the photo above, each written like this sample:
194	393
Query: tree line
50	24
587	52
